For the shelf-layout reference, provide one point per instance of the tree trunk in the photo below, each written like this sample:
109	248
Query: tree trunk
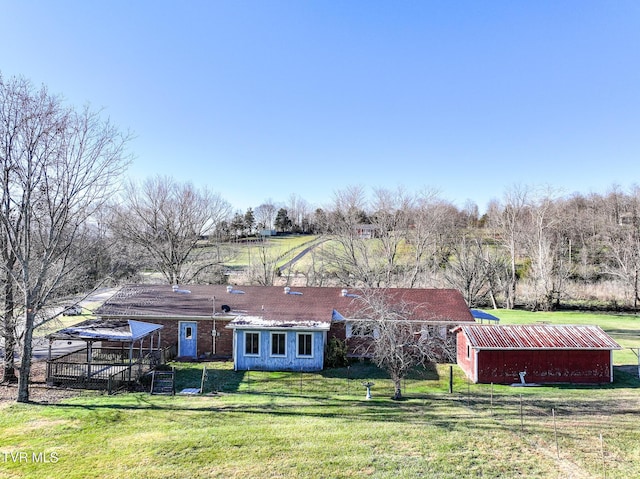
9	375
25	363
397	386
9	334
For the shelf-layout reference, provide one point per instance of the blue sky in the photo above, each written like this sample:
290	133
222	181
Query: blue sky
263	99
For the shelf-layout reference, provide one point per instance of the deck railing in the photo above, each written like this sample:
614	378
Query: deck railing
108	368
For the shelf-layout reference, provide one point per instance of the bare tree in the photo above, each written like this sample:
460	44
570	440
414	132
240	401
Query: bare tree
9	332
354	256
265	214
298	211
59	165
468	270
168	219
582	220
498	275
391	219
542	245
399	342
430	226
623	243
262	267
508	223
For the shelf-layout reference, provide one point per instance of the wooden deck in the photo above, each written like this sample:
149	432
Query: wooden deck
111	369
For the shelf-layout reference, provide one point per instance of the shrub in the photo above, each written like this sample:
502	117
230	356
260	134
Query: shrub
336	353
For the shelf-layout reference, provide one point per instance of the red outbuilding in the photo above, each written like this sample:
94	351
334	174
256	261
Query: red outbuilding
545	353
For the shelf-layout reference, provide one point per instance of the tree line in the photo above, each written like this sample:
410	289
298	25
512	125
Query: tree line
532	248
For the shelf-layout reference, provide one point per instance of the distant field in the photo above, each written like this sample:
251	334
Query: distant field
280	249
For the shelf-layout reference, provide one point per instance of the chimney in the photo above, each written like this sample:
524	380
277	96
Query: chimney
229	289
287	290
344	292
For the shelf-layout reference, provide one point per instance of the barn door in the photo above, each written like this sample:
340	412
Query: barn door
187	342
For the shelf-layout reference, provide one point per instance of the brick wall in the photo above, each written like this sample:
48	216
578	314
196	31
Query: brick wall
169	336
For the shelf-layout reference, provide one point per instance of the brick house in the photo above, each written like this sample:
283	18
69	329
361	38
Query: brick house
267	327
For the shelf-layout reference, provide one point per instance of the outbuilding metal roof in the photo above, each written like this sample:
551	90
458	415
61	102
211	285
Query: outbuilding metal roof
537	336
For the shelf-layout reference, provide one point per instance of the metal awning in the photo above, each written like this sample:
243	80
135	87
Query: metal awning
125	330
482	316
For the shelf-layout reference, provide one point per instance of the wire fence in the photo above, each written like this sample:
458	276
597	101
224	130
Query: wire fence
573	427
346	382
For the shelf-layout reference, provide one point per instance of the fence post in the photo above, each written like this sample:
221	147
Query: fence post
555	432
521	417
604	464
491	409
450	379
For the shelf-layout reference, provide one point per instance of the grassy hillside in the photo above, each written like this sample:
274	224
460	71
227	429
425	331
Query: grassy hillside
280	249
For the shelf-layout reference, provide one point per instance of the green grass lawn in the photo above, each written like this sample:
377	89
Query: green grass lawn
319	425
261	425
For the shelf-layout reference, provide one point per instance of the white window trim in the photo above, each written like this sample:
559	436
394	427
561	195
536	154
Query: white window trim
251	355
375	334
271	335
304	356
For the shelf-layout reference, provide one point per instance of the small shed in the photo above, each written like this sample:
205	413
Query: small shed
574	354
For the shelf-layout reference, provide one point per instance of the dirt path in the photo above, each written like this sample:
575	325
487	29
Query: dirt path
297	257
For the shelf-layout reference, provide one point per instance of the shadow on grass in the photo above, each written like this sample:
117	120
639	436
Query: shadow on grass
222	378
624	377
631	334
365	369
431	411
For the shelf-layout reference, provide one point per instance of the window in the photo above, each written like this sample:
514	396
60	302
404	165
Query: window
468	351
305	344
252	344
278	344
443	332
361	329
188	332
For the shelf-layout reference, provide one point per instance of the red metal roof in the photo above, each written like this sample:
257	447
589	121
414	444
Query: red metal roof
272	304
537	336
